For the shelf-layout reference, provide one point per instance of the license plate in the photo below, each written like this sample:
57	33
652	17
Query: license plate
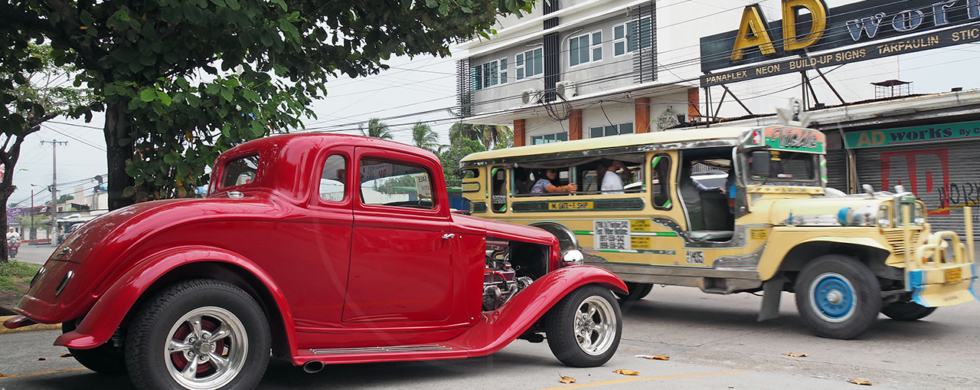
953	275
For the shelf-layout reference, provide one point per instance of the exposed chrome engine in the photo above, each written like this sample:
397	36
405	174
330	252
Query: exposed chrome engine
500	280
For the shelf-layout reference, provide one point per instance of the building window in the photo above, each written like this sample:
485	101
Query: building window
529	63
630	36
489	74
549	138
606	131
580	50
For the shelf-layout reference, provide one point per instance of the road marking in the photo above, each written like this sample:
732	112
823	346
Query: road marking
649	378
43	373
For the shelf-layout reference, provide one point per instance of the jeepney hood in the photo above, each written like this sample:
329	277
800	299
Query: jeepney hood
819	210
508	231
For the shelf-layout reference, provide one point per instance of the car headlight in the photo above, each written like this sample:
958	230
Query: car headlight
884	217
920	215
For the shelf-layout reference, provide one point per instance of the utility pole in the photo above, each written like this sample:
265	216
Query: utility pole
54	188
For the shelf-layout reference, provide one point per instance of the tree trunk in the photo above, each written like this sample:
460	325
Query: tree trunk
119	148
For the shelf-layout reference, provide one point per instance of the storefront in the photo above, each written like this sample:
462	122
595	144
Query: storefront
940	164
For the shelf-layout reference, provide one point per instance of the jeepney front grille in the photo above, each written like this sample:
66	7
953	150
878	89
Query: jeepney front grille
894	237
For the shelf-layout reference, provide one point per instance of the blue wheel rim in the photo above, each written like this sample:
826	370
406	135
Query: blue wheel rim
832	297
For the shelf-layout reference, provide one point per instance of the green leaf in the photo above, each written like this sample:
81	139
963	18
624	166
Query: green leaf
466	10
148	95
266	38
257	129
226	130
182	83
251	95
86	18
232	83
220	3
183	169
169	159
233	4
129	191
164	98
227	94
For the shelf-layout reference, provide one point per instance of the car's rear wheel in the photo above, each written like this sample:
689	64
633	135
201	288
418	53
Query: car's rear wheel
637	291
104	359
199	334
907	311
585	327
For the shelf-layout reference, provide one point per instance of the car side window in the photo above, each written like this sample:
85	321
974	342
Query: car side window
240	171
333	179
393	183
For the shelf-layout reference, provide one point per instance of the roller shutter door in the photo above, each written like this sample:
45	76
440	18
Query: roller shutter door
837	169
946	176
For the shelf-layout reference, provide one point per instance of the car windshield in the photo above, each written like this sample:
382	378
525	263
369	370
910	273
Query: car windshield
790	166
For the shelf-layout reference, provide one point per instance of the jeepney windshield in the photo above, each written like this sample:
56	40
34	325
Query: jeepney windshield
790	167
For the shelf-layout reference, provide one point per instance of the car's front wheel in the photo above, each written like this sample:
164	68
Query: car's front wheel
199	334
837	296
584	328
907	311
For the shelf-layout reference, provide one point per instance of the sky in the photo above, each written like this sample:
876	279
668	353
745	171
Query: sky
427	85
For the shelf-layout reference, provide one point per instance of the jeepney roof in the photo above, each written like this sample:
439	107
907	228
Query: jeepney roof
660	140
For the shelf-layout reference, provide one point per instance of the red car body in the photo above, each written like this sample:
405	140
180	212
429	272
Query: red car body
329	275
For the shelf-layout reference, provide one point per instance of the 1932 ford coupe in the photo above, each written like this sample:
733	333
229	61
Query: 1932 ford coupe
324	249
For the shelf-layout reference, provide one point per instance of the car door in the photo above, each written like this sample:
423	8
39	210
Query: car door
401	265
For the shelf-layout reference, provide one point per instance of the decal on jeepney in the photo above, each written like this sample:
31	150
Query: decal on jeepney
612	234
695	257
640	225
641	243
570	206
758	234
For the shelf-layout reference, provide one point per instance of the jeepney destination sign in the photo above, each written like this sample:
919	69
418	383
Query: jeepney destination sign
885	27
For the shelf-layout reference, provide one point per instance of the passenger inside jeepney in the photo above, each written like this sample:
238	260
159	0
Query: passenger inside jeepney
548	183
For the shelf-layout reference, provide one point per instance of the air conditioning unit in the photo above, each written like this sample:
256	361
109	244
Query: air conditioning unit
530	97
566	89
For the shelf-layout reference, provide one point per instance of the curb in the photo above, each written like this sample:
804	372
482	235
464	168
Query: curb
29	328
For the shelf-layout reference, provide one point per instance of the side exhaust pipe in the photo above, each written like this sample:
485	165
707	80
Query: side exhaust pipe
313	366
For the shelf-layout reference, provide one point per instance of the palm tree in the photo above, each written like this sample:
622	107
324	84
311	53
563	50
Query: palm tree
376	129
424	137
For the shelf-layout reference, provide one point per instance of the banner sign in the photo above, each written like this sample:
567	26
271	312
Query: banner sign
945	38
822	29
795	140
912	135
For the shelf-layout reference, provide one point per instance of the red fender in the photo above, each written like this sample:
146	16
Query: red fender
500	327
108	312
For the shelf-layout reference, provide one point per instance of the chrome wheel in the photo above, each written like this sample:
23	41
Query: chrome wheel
595	325
206	348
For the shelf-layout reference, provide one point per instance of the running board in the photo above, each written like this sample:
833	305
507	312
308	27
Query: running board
353	351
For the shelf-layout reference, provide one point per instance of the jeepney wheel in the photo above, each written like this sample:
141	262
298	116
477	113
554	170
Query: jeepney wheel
199	334
637	291
837	296
907	311
105	359
584	328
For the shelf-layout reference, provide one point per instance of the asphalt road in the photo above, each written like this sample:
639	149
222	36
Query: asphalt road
713	342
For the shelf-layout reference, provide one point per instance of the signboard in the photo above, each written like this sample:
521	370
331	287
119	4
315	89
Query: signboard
422	186
795	140
940	39
376	171
912	135
612	235
15	212
821	29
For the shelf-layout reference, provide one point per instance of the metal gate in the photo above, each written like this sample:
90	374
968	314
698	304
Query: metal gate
837	169
946	176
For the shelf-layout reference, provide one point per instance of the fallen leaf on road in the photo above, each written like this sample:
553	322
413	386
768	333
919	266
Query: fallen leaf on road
1	375
861	382
626	372
66	355
566	379
654	357
795	354
39	359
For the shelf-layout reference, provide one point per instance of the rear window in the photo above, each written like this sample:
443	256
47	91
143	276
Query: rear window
240	171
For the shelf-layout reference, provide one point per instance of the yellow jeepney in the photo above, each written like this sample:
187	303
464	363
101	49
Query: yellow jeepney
729	210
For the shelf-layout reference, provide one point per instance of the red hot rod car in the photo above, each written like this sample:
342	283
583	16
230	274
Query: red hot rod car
293	253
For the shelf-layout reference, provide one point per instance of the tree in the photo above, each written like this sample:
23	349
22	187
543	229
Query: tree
460	145
33	90
182	80
488	135
505	138
376	129
424	137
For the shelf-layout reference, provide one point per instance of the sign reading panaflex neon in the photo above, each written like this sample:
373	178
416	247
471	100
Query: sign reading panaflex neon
912	135
823	29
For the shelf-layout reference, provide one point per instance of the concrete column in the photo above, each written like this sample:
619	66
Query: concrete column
519	132
575	125
642	108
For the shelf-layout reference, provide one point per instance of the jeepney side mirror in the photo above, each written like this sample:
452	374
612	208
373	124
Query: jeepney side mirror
760	163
